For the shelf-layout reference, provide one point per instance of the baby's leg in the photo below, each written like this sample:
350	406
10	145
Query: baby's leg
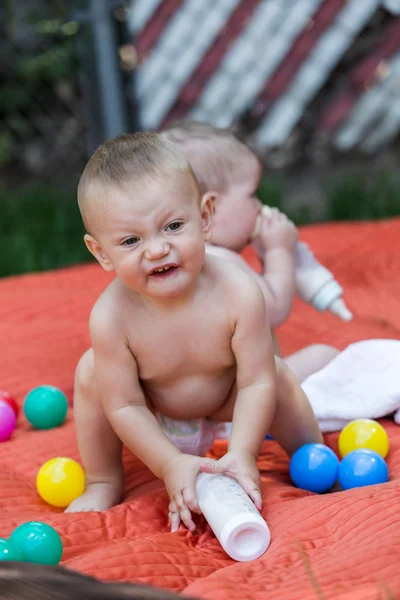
310	360
99	446
294	423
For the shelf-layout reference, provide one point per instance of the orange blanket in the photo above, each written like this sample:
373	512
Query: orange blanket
349	540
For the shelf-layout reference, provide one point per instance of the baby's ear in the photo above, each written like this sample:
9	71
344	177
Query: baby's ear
207	210
94	247
214	197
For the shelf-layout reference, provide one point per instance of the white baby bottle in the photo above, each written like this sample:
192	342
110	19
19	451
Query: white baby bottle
237	524
315	284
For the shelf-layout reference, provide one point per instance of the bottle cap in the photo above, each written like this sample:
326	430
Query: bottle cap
329	297
326	295
266	210
245	537
257	227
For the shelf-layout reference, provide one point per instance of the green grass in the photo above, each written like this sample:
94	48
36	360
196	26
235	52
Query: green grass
41	228
349	198
356	198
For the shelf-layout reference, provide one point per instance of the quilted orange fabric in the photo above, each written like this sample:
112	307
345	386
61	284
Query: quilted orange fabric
342	545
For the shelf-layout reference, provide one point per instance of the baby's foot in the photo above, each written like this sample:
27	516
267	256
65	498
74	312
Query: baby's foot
97	497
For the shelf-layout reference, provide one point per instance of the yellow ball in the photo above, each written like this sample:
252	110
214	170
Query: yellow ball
363	433
60	480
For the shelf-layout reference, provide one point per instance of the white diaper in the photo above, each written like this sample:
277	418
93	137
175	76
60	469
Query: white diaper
191	437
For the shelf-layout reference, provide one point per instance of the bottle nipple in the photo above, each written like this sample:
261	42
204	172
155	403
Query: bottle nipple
339	308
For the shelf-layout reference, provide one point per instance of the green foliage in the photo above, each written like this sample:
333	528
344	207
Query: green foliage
360	198
40	228
349	198
30	76
271	191
52	64
5	146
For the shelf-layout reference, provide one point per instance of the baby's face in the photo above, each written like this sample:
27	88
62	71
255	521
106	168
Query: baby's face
237	207
153	234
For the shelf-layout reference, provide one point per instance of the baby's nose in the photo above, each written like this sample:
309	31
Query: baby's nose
156	248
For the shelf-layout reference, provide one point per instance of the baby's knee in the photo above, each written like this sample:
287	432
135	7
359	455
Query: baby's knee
84	373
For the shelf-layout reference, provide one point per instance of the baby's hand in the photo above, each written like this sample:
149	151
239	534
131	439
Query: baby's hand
240	466
180	476
277	231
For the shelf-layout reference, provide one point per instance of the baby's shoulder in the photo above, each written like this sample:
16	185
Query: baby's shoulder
230	277
109	312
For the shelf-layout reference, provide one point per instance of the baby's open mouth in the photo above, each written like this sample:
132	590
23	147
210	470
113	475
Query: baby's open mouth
163	271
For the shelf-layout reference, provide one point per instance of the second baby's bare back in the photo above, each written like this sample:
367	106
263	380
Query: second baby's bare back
185	363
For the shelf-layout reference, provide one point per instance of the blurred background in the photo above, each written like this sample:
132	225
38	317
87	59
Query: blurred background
314	84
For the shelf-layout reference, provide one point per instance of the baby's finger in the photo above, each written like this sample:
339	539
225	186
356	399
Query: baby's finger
189	497
252	489
184	512
173	516
210	466
256	497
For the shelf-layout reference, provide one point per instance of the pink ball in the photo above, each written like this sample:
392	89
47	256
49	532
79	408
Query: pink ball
8	421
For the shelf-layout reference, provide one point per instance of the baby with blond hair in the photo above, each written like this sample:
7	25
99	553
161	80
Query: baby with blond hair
180	338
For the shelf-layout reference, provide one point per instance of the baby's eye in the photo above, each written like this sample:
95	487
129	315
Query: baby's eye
174	226
130	241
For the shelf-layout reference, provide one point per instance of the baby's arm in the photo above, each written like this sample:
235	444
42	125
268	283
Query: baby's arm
276	244
125	406
256	396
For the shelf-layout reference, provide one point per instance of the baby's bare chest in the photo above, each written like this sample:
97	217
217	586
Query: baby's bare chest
168	349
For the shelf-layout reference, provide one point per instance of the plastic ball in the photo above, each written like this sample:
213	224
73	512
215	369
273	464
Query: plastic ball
6	397
363	433
314	467
362	467
45	407
37	543
8	421
8	551
59	481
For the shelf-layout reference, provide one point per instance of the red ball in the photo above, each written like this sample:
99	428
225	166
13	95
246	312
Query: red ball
6	397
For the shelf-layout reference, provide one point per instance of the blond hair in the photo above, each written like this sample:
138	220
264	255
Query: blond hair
127	158
214	154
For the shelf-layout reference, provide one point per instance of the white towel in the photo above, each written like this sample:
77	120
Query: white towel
363	381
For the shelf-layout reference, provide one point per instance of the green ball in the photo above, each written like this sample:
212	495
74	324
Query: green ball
45	407
37	543
8	551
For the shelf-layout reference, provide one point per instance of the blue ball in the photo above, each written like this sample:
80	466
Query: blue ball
362	467
314	467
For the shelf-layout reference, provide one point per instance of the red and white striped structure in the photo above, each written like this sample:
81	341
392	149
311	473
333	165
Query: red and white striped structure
265	62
